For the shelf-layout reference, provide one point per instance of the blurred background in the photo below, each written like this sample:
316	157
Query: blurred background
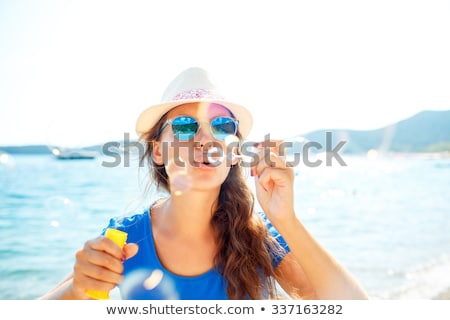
373	76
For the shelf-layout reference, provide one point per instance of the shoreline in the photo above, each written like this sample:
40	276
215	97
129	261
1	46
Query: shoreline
423	155
444	295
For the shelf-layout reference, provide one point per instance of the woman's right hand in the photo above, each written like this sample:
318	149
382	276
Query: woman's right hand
99	266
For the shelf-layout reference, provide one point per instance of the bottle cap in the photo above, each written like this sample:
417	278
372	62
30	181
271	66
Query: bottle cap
117	236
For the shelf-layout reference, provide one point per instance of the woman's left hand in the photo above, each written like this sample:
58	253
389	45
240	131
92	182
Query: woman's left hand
274	183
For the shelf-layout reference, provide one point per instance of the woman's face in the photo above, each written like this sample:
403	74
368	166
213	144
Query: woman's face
200	163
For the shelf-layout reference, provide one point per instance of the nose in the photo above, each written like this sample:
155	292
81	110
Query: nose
204	135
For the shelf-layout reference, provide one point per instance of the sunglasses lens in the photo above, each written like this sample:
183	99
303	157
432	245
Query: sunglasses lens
222	127
184	128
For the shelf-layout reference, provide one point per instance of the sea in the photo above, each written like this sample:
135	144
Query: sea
385	218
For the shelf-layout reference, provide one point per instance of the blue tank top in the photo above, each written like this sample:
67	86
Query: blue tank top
145	278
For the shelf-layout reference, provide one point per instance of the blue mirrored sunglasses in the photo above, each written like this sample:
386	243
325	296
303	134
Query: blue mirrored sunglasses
185	127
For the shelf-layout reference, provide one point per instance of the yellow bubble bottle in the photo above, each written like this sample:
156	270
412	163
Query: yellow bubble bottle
120	238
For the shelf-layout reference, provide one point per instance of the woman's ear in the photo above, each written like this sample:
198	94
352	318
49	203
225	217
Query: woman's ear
234	160
157	154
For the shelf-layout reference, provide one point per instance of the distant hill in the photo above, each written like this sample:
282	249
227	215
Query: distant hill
427	131
37	149
31	149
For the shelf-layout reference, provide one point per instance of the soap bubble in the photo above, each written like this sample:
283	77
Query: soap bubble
233	146
215	156
232	141
7	166
180	182
179	179
60	211
148	284
6	160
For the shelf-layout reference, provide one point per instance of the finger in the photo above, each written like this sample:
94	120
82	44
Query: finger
86	269
130	250
277	161
274	176
100	259
83	282
269	160
105	260
102	252
106	245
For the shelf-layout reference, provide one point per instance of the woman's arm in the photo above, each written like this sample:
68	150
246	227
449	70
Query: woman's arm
326	276
292	279
274	182
62	291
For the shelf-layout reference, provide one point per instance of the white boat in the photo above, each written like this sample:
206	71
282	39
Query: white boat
73	153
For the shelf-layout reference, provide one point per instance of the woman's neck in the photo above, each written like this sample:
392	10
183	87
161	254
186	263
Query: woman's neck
189	214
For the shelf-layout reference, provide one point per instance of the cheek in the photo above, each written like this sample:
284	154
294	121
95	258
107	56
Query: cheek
179	155
172	149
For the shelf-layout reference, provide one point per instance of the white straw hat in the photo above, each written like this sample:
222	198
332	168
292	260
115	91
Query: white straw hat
192	85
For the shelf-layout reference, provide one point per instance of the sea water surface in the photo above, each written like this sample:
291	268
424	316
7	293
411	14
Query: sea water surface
386	219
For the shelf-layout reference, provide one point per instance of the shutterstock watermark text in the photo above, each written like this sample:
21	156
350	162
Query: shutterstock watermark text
215	153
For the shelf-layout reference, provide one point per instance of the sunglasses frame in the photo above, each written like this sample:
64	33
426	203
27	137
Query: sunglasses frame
170	122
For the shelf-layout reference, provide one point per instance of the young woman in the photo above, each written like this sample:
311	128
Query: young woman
205	240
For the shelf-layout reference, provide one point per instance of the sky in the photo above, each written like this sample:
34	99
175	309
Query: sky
80	72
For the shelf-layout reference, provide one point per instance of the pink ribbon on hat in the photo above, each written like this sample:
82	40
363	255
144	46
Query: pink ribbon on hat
197	94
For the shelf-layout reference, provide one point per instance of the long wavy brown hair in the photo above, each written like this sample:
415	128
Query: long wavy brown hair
244	243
